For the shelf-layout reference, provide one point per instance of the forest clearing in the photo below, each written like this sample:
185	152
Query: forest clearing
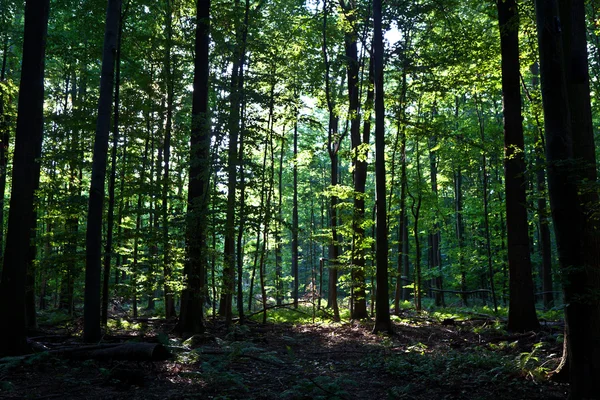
300	199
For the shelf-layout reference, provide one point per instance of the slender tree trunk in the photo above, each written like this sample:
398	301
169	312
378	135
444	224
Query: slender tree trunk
382	314
225	307
28	146
486	221
295	276
416	212
333	145
91	324
401	276
4	143
359	156
242	218
170	80
111	186
435	235
278	256
542	208
521	315
191	319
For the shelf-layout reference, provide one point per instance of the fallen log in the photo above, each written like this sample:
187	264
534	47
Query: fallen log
125	351
117	351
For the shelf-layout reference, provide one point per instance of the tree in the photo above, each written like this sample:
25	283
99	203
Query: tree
192	296
382	314
564	75
359	307
25	178
521	315
91	326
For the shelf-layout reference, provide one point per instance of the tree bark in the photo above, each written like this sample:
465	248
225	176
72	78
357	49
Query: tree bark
382	313
91	313
359	156
191	319
521	315
565	95
170	80
25	179
225	308
295	275
111	186
333	145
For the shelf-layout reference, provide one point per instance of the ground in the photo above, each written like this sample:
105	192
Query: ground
427	357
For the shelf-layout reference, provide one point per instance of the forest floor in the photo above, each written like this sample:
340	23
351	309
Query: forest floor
427	357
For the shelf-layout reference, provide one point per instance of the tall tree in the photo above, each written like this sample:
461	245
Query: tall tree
564	75
91	312
571	166
333	146
25	178
521	314
359	306
192	297
112	181
170	81
295	272
382	312
239	55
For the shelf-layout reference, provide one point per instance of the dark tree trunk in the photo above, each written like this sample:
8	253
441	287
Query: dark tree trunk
486	218
191	319
382	313
91	312
545	246
416	212
295	276
567	115
111	186
401	274
460	227
4	142
242	218
435	236
333	145
359	300
521	315
278	256
225	308
28	146
135	270
170	79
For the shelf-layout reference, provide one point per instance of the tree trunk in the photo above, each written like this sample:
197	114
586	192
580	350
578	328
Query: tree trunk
521	315
435	236
545	245
242	218
333	145
25	179
91	316
4	143
359	156
225	308
382	314
191	319
565	95
295	275
486	219
111	187
278	256
416	212
170	80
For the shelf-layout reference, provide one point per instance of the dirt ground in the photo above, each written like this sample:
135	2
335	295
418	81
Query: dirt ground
423	359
